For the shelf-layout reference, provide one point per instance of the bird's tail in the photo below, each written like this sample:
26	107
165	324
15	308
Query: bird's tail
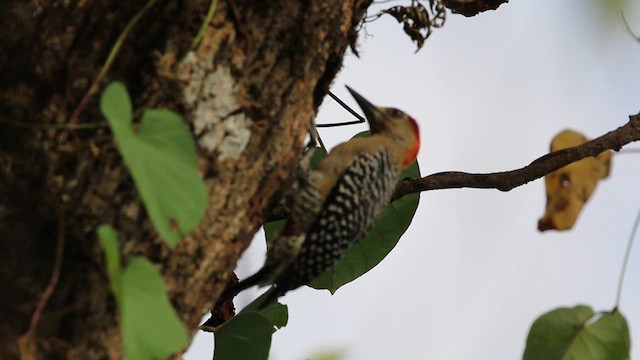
234	289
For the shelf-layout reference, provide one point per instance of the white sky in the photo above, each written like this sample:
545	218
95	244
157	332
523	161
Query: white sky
472	272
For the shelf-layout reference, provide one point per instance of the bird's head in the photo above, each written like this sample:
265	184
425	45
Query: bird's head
393	123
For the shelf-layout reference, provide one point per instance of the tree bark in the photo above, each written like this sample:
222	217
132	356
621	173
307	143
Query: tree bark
248	90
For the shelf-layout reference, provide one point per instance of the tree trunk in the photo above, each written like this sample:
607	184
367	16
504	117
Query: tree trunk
248	90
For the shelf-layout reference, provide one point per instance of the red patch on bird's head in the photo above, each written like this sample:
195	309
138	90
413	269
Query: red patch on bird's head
412	154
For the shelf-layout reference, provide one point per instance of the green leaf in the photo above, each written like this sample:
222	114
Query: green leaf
271	228
384	236
610	333
318	155
162	160
247	336
572	333
115	104
109	243
277	314
151	329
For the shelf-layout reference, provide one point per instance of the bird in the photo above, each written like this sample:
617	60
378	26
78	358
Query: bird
337	202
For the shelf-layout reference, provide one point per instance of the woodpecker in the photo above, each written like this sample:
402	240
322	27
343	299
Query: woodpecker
338	202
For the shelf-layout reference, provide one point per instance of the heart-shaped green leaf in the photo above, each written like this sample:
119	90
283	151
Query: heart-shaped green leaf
574	333
150	327
162	160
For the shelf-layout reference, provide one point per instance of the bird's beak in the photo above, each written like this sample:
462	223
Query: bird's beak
371	112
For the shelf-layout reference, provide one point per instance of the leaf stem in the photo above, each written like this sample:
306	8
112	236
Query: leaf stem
107	64
205	24
625	262
627	27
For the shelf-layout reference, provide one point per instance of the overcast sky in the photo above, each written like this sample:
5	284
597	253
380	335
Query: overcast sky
472	272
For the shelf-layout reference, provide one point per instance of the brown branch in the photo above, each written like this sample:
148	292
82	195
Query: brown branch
507	180
27	343
472	7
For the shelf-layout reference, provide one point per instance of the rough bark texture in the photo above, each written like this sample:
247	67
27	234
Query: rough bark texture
248	91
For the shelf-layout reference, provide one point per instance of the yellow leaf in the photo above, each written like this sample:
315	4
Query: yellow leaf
569	188
334	354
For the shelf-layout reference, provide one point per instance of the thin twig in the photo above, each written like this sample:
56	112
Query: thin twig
107	65
626	26
55	276
623	270
507	180
205	24
314	136
76	126
346	107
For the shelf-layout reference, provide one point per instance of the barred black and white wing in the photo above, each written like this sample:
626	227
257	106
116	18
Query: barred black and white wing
347	214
